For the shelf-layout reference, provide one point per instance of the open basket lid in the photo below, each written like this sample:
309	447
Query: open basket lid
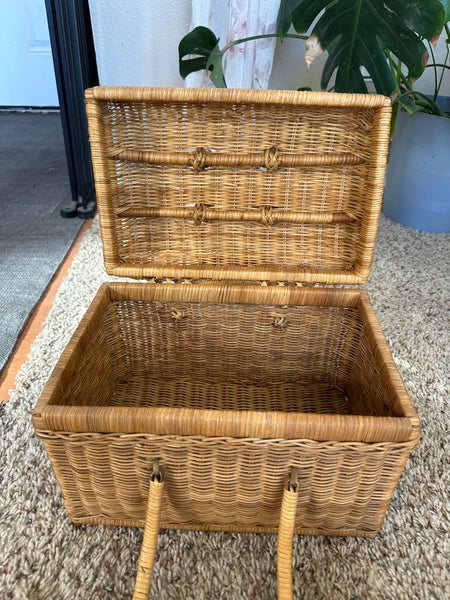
238	185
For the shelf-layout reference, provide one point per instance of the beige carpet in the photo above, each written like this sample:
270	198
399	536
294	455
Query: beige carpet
43	556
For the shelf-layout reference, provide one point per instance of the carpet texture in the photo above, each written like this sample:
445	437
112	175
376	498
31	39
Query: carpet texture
34	238
43	556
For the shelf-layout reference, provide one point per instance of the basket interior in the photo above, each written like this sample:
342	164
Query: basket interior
219	356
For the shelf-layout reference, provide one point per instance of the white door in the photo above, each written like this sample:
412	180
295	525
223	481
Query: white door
27	77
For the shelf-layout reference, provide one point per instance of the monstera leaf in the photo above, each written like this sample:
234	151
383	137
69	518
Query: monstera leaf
446	4
199	50
358	33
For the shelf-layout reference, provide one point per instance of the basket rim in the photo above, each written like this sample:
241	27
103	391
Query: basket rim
286	97
271	424
228	423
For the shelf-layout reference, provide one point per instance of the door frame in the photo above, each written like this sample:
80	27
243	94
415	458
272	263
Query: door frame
75	65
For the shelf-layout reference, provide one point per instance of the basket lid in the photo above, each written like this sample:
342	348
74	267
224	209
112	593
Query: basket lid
243	185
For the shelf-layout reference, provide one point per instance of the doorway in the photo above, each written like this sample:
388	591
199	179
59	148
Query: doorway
27	75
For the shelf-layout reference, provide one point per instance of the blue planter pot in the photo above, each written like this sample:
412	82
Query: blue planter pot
417	187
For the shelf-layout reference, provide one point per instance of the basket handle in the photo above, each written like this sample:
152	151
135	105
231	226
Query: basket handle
147	557
286	536
284	547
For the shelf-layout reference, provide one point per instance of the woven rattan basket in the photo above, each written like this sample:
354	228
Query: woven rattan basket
269	403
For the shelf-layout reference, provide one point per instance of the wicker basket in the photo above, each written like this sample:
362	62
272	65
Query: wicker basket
241	376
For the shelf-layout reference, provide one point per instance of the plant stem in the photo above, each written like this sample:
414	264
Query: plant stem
436	86
396	105
427	102
443	66
399	73
432	105
393	120
265	35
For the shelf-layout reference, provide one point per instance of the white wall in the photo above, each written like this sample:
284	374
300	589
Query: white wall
289	69
137	44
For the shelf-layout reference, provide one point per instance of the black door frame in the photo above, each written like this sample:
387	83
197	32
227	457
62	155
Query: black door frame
75	65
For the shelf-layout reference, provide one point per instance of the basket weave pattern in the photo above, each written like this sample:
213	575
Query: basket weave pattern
237	373
229	357
143	361
190	184
225	483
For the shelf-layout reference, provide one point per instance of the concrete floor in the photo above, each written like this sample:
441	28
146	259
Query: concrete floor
34	238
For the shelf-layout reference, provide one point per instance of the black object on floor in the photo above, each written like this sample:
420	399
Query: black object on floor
73	54
34	238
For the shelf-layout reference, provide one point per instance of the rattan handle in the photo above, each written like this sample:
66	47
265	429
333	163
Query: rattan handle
147	557
285	538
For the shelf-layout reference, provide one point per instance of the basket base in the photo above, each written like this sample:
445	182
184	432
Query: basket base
143	390
211	527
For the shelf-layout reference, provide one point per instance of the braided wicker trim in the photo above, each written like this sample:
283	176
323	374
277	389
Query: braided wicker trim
304	444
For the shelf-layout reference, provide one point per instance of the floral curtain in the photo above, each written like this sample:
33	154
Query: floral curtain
247	65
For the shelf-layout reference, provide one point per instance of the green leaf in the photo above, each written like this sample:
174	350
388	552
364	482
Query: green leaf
214	64
446	5
200	40
199	45
305	12
284	19
379	69
190	65
408	104
427	23
356	33
347	76
401	40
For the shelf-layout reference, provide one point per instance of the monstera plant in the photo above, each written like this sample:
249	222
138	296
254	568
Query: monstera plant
361	33
357	34
384	42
